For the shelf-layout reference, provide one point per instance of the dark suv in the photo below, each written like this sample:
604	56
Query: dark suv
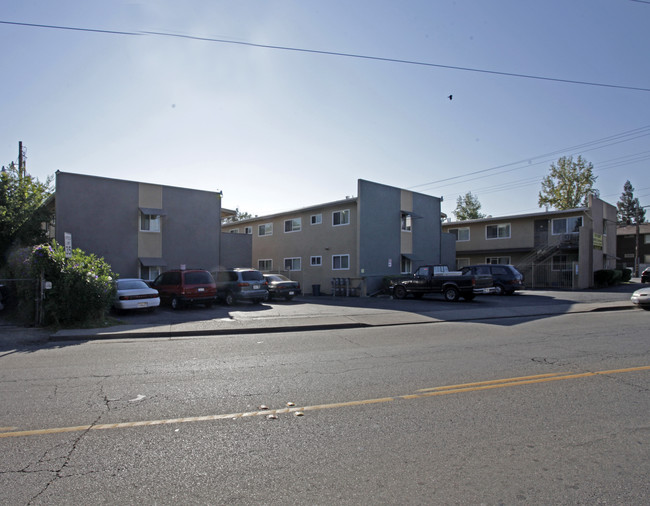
181	287
241	284
506	278
645	275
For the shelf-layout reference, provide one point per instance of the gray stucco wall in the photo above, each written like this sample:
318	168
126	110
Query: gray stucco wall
191	228
236	250
379	208
102	216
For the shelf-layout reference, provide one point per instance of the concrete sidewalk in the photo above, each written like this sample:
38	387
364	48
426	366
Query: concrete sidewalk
340	317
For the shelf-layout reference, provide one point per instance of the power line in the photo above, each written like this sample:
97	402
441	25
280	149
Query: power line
339	54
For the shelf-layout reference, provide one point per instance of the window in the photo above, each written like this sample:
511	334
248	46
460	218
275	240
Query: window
646	238
265	264
461	234
405	265
566	225
340	262
293	225
461	262
341	218
560	263
234	231
497	231
406	224
149	223
149	273
316	261
265	229
292	264
316	219
497	260
248	230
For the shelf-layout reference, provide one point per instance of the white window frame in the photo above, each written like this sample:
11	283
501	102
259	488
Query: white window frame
267	227
566	225
499	227
342	213
458	231
233	231
407	223
153	270
462	262
248	230
316	261
316	219
153	221
293	263
261	264
293	224
340	258
405	265
489	260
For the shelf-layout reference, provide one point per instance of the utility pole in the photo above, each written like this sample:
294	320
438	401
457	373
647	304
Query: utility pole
21	161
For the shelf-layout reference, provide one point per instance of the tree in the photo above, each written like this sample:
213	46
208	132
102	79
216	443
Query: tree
239	216
568	185
629	207
468	207
21	209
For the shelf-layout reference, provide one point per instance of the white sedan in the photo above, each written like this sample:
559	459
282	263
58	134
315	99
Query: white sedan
641	298
134	293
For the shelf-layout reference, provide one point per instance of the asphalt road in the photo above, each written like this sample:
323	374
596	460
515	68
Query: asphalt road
541	411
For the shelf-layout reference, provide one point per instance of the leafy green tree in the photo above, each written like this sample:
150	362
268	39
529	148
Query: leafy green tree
629	208
468	207
83	285
239	216
22	212
568	185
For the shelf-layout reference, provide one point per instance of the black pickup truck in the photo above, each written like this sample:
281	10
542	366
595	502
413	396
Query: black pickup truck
438	279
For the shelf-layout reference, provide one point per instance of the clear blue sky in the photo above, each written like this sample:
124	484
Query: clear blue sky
277	129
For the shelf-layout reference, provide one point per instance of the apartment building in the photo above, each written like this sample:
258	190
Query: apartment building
559	249
631	243
140	229
358	240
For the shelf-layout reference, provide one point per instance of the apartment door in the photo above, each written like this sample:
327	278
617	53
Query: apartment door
541	233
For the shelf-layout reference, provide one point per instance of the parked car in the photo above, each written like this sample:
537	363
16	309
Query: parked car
641	298
506	278
282	286
645	275
134	293
181	287
241	284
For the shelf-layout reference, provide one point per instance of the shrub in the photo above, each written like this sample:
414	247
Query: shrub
82	285
627	275
607	277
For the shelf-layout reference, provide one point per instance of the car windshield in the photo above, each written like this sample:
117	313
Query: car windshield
131	284
198	278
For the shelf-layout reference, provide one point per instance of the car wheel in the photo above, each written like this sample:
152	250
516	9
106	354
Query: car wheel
229	299
498	289
399	292
176	303
451	294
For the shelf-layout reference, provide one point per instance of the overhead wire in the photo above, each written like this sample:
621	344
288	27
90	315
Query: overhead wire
335	53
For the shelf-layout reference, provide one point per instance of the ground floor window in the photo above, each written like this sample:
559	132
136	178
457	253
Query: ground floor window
340	262
406	267
265	264
292	264
149	273
462	262
497	260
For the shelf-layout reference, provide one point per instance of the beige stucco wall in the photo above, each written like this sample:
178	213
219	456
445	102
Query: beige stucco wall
324	240
149	243
521	235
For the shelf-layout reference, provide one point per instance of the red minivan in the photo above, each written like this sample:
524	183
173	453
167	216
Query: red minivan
180	287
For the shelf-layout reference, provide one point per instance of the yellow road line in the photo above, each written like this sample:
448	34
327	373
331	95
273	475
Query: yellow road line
423	393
